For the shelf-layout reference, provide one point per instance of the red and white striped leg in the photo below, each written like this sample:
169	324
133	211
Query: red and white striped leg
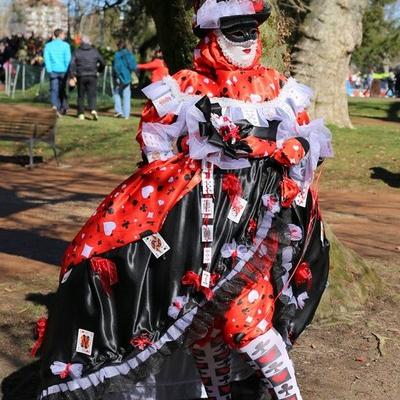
269	354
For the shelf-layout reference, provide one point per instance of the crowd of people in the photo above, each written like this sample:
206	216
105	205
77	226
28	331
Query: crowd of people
77	63
23	48
374	84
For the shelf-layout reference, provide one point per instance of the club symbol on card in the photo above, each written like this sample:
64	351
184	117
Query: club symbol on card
157	245
84	342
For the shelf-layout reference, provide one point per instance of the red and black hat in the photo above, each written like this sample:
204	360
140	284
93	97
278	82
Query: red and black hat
217	14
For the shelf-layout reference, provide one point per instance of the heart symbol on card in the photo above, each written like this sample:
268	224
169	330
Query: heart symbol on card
109	228
147	191
161	202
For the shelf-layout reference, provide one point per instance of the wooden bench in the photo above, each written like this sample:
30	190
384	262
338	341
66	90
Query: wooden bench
24	123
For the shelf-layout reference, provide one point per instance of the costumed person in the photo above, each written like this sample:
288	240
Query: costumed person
215	244
156	67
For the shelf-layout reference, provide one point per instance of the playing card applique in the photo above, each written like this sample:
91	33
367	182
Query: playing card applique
157	245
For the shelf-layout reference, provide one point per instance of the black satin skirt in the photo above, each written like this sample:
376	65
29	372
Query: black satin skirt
139	302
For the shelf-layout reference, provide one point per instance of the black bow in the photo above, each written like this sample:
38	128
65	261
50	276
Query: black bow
230	148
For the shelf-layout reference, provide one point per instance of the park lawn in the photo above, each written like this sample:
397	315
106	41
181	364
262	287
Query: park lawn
375	108
359	150
110	145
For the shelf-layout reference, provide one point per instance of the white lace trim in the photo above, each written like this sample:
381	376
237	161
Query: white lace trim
293	98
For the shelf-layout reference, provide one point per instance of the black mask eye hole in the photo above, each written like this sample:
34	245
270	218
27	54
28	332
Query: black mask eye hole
240	34
254	32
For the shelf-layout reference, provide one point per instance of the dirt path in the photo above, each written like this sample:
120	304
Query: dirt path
40	211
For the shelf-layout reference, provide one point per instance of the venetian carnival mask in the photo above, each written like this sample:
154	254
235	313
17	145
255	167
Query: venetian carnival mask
239	43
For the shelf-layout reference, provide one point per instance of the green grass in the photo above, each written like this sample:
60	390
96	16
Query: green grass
375	142
386	109
38	95
360	149
109	143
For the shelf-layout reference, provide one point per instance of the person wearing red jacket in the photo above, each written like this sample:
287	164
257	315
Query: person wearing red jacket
215	244
156	67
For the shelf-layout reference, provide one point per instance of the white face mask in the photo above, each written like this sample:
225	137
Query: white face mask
240	55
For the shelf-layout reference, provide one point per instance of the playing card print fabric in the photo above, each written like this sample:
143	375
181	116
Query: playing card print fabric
173	253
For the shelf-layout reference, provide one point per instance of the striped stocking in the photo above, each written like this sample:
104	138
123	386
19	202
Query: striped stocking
269	355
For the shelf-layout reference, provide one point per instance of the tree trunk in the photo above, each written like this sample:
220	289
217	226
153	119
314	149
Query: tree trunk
329	35
174	32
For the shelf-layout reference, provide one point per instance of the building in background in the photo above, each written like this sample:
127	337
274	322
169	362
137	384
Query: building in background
39	16
5	15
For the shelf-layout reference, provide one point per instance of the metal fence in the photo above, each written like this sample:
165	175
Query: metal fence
23	77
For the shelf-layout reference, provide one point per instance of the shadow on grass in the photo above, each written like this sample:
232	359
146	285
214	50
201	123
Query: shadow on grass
394	112
41	299
388	111
22	384
20	160
31	245
392	179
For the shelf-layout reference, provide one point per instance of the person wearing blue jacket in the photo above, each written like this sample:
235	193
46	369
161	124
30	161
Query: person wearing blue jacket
57	57
124	64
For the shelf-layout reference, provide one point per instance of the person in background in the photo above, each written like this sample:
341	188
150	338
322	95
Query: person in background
391	81
57	57
86	63
2	62
397	83
124	64
156	67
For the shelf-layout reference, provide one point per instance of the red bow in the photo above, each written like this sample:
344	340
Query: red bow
192	279
141	342
289	191
232	186
303	275
107	271
40	330
230	134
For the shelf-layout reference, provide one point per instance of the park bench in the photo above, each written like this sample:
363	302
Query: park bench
24	123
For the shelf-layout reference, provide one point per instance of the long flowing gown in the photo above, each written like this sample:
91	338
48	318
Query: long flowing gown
130	292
